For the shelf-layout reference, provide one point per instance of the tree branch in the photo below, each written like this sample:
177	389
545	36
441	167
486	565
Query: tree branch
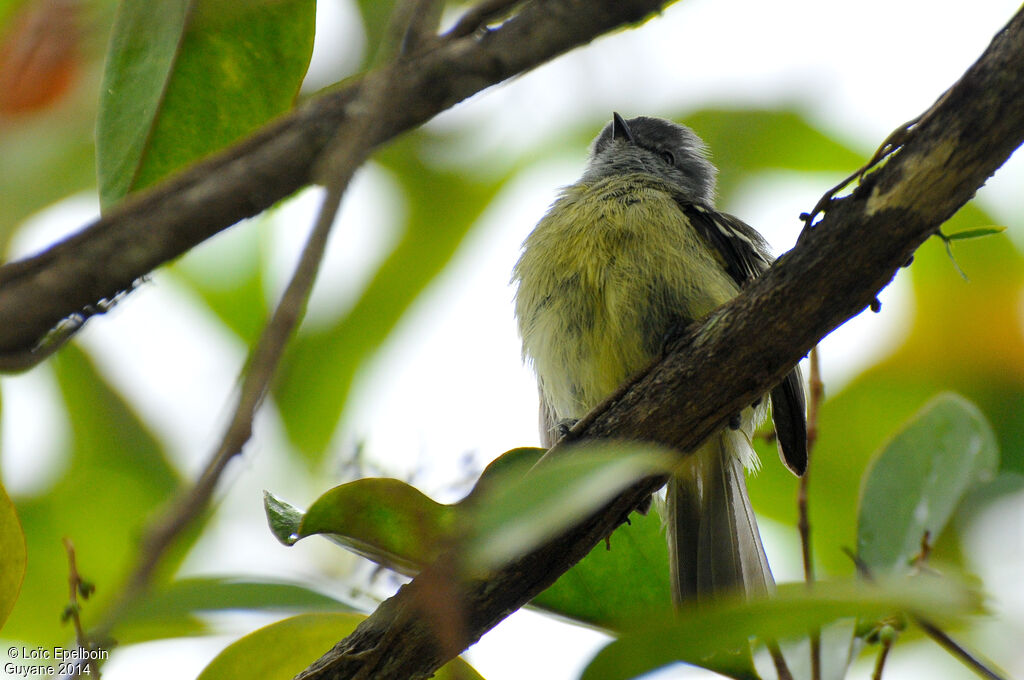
834	272
155	226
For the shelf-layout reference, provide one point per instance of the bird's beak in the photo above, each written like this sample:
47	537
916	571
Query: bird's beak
620	130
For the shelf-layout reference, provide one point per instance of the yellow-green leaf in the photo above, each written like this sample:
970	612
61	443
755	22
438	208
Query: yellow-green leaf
919	478
185	78
395	525
12	556
698	635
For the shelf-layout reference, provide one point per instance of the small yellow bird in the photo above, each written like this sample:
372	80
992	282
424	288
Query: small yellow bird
625	256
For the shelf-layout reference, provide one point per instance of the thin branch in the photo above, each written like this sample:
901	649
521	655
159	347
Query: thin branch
262	365
817	393
743	349
341	159
78	587
782	671
883	654
816	387
890	146
109	256
804	524
985	669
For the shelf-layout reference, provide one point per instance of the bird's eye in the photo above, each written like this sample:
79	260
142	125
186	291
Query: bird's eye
668	157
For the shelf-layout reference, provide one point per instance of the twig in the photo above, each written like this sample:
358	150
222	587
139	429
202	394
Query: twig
985	669
817	396
781	668
76	587
817	393
896	139
921	558
261	366
883	654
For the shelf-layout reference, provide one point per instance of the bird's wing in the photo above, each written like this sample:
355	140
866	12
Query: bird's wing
745	255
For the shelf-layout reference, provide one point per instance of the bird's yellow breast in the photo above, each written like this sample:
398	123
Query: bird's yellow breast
604	277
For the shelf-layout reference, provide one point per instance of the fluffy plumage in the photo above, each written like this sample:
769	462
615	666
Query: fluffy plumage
630	252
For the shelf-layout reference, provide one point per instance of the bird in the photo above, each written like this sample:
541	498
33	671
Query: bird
623	258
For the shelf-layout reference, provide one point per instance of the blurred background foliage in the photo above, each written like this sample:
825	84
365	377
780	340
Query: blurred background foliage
115	467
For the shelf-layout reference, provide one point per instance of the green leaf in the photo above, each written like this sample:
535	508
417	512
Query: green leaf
171	610
395	525
523	511
507	514
618	582
917	481
972	233
284	519
144	45
385	520
117	477
282	650
513	461
12	556
699	635
185	78
979	232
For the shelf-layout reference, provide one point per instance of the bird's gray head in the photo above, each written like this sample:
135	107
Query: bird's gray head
654	146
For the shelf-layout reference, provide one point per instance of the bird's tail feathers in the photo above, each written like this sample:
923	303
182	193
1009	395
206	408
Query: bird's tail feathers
714	544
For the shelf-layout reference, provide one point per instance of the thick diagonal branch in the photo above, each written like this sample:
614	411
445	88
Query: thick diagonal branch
108	256
834	272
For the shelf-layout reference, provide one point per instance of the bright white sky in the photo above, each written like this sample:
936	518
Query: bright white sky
452	376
